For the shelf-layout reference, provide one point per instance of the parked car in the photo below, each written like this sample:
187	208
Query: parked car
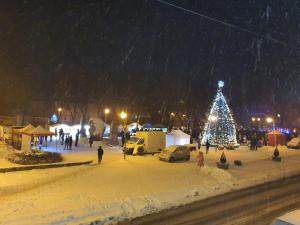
175	152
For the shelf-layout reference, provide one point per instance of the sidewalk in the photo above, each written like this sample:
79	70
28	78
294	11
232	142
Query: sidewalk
41	166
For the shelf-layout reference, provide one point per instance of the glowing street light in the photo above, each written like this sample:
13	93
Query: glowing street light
253	119
269	120
59	110
106	111
258	119
123	115
172	114
278	115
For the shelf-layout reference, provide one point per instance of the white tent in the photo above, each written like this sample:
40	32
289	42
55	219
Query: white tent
177	137
39	131
133	126
100	125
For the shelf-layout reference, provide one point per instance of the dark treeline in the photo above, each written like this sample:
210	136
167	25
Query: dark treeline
148	57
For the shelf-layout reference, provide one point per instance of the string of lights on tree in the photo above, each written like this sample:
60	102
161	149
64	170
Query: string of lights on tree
220	127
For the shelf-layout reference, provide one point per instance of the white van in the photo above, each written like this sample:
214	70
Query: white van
145	142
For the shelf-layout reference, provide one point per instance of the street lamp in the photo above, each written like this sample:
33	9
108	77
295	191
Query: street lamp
271	120
106	112
123	116
59	110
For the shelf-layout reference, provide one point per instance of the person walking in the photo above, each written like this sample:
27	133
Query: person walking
91	141
66	143
76	138
70	142
60	134
123	139
200	159
127	135
100	154
199	143
63	139
207	146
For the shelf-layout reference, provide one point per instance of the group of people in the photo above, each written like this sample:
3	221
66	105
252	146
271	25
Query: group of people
68	143
68	140
254	142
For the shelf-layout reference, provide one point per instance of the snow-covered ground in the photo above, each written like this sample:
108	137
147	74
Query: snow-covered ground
119	189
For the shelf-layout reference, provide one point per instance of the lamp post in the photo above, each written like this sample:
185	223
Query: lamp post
255	122
271	120
59	110
172	115
123	116
106	112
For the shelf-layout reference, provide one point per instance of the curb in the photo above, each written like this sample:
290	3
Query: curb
45	166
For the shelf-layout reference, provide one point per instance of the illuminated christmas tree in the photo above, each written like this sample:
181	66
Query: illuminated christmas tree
220	127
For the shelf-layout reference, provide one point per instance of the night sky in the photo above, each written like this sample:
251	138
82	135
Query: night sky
147	56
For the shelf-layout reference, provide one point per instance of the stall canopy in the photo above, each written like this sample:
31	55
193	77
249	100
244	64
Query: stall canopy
28	128
177	137
276	138
38	132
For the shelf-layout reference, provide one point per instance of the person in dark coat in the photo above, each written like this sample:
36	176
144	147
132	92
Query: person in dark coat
61	133
76	138
66	143
199	143
207	146
123	139
70	142
127	136
63	139
100	154
91	141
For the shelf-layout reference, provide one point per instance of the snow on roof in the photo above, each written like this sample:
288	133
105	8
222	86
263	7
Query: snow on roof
276	132
28	128
39	131
179	133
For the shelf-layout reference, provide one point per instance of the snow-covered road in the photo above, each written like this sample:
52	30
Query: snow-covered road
119	189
